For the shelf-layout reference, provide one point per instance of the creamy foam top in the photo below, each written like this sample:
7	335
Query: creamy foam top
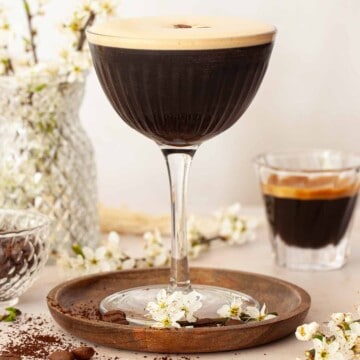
304	188
181	33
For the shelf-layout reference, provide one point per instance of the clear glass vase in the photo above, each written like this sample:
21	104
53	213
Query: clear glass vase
46	158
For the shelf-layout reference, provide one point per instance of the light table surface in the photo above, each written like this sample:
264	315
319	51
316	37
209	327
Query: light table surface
331	291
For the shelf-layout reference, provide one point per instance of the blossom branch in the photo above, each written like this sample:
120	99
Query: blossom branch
8	66
178	309
231	229
32	31
339	340
82	32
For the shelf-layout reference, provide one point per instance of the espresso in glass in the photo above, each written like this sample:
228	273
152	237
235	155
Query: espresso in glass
309	213
310	198
179	81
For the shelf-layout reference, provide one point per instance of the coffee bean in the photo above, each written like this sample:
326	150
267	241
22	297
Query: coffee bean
83	353
115	316
10	357
206	322
230	322
61	355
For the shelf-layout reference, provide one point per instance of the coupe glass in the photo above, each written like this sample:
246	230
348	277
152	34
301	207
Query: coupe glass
179	81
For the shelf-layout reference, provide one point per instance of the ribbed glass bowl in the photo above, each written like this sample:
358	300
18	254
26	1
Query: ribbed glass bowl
24	248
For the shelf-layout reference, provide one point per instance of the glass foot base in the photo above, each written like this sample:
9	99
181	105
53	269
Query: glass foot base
134	301
295	258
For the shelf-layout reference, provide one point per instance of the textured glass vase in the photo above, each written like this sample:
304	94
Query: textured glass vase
46	158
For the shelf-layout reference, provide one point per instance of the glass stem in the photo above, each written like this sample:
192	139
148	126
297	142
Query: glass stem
178	162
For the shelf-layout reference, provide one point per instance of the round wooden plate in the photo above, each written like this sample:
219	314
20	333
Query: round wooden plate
74	306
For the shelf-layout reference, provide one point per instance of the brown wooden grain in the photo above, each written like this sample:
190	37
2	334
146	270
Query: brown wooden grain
289	301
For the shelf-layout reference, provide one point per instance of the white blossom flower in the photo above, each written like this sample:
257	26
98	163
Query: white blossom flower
190	303
348	317
327	350
5	37
167	319
306	332
76	66
113	247
259	315
128	264
4	29
37	7
340	341
41	73
88	6
232	310
166	310
94	259
346	342
355	328
107	7
156	253
338	318
169	308
233	227
164	301
71	262
194	238
71	265
335	328
115	257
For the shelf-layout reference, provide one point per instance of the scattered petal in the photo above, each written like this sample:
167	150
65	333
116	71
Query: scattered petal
306	332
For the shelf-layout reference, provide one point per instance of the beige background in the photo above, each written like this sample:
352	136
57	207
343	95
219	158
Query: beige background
309	98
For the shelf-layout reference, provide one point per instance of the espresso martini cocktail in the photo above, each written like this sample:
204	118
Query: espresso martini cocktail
179	81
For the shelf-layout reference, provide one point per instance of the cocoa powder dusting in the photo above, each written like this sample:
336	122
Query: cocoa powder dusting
38	338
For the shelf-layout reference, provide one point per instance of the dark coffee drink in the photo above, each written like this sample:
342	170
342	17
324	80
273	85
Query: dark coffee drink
309	213
179	81
183	83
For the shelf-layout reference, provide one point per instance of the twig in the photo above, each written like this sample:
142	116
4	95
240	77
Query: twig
207	241
82	36
32	32
9	69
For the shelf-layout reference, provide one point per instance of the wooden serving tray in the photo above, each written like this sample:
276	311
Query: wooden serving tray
74	306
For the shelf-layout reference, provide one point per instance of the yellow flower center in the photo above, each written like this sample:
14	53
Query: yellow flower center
234	311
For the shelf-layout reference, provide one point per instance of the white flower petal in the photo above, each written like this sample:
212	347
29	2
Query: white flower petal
128	264
114	238
355	328
305	332
88	252
100	253
224	311
252	311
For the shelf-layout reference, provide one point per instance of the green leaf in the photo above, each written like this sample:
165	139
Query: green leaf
11	316
27	7
39	88
318	336
77	249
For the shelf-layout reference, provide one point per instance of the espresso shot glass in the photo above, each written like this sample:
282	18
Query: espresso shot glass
310	198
